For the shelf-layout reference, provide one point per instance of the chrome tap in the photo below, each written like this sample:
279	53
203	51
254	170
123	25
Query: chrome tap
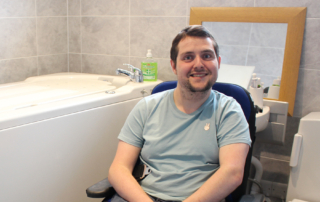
135	74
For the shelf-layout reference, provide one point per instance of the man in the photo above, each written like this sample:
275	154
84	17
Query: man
194	140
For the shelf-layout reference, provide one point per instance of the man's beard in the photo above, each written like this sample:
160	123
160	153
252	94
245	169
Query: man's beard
188	86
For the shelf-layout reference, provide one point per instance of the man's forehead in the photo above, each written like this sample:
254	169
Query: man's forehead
188	44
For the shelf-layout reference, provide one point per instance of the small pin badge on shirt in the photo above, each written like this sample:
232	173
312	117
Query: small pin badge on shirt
207	126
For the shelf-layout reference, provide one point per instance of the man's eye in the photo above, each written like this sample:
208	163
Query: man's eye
207	56
188	57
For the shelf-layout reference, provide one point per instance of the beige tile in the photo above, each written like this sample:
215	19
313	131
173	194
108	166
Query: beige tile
102	64
50	64
17	69
220	3
75	34
52	35
154	33
74	7
74	62
51	8
308	92
17	8
165	72
311	44
312	10
17	37
158	8
105	35
103	7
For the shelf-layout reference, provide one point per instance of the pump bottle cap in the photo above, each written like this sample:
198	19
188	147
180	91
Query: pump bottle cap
149	54
277	81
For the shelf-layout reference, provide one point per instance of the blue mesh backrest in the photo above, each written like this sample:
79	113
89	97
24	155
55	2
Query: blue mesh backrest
235	91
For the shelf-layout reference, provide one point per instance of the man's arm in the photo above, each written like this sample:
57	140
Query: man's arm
227	178
120	173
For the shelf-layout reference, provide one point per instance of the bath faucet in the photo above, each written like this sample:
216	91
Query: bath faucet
135	74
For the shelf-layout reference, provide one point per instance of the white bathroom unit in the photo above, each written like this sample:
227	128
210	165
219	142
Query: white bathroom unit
304	180
58	133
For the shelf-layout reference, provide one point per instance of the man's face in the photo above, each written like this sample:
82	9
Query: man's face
196	65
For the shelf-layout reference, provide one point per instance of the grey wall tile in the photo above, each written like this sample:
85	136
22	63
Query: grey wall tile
311	44
17	37
312	11
154	33
75	34
17	69
267	61
275	171
158	8
74	7
165	72
17	8
74	62
105	35
50	64
269	35
51	7
103	7
52	35
102	64
308	92
220	3
233	55
230	33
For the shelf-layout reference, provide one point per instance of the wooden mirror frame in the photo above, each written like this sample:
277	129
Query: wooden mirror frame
295	18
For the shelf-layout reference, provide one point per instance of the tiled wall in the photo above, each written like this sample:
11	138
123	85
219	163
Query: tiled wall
97	36
33	38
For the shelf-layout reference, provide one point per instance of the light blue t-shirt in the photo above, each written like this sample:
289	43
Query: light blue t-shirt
182	150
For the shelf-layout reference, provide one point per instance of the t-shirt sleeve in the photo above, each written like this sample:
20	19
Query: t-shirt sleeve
132	129
232	126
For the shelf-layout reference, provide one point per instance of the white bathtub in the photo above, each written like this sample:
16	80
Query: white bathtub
58	133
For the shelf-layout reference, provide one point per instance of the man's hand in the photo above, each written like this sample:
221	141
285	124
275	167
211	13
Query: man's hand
120	174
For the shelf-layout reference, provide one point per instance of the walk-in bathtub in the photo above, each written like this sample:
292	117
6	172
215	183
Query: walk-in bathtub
58	133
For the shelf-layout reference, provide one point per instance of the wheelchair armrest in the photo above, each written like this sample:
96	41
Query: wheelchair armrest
101	189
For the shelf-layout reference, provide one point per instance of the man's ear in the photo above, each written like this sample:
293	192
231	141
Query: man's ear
173	67
219	62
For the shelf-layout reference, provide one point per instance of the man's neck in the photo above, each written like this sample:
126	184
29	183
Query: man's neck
187	101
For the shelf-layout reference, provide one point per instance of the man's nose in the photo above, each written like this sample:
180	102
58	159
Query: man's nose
198	62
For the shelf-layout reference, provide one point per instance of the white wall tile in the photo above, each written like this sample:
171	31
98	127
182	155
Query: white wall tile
74	7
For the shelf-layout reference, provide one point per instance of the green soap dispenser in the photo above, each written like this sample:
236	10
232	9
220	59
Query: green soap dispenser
149	68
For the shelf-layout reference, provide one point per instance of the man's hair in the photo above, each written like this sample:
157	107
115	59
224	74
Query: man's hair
192	31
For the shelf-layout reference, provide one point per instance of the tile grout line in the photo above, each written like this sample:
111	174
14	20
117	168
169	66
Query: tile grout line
37	41
68	34
129	31
81	36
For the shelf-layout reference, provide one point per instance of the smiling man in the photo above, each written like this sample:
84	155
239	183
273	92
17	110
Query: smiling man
195	140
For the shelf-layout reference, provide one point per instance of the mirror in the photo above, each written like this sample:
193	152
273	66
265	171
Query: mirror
252	44
293	17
